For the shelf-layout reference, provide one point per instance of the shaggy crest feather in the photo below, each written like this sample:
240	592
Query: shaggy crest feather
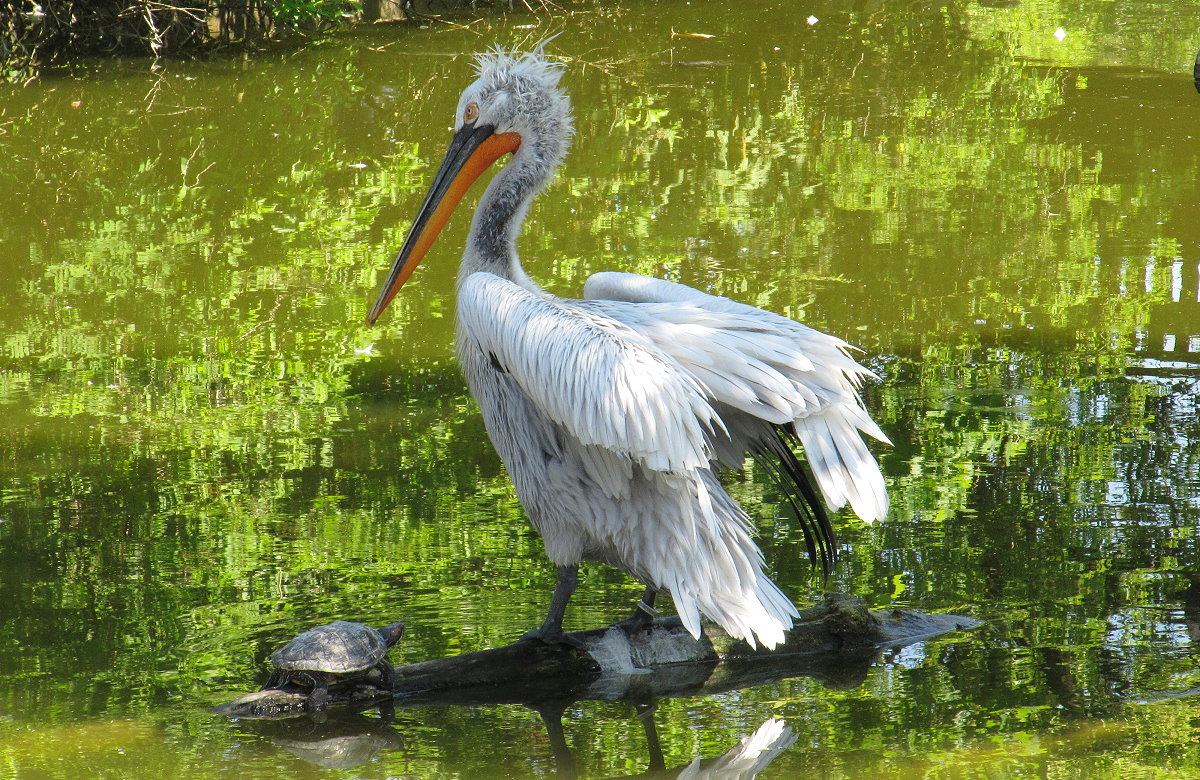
531	82
497	67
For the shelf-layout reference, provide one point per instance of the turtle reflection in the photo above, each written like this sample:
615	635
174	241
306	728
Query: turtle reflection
334	740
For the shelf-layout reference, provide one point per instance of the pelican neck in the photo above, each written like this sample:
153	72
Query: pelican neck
492	241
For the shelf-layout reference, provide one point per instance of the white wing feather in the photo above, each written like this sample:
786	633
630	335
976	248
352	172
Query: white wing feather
771	368
597	377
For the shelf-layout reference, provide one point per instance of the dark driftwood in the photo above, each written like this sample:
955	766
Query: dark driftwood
834	641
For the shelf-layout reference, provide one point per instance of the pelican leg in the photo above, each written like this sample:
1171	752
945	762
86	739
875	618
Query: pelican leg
643	614
551	631
645	713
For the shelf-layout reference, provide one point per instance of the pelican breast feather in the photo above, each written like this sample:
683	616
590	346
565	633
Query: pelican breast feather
598	378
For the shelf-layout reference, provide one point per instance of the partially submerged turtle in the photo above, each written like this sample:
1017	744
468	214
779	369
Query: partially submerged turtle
333	654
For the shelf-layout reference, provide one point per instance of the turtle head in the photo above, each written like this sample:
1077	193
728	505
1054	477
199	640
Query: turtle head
391	633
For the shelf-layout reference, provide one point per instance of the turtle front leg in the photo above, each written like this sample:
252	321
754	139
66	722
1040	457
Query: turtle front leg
319	696
387	676
275	681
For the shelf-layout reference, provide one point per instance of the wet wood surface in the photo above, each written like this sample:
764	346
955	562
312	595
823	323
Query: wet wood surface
835	641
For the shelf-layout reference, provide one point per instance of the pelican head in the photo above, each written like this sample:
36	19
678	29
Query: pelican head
520	94
514	106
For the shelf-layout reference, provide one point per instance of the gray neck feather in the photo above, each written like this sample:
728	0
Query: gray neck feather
492	242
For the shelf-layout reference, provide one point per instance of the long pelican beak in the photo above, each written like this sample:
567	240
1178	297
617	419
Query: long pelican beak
471	151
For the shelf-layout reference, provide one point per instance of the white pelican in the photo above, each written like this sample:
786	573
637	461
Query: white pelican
614	413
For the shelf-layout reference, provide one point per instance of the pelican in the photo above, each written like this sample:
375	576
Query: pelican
614	414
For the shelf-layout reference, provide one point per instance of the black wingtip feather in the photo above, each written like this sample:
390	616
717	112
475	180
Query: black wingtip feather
779	460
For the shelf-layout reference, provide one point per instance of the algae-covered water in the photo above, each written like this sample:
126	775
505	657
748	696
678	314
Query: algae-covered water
204	451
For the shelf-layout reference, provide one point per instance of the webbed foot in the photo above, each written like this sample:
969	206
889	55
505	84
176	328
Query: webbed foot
552	637
550	632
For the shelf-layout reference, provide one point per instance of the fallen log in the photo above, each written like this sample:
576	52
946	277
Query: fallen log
835	641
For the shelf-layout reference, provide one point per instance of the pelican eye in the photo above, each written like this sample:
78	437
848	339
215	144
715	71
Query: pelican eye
471	112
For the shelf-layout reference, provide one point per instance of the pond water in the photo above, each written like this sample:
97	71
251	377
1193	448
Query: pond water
204	451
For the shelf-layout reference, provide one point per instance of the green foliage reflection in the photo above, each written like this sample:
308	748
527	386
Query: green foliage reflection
206	451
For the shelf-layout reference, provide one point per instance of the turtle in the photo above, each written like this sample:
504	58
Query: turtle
332	654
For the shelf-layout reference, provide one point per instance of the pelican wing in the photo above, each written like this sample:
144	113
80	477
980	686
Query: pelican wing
597	377
763	373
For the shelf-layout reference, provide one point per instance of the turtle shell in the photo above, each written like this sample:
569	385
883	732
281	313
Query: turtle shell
340	647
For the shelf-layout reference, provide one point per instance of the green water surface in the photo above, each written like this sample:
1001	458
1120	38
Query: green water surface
204	451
